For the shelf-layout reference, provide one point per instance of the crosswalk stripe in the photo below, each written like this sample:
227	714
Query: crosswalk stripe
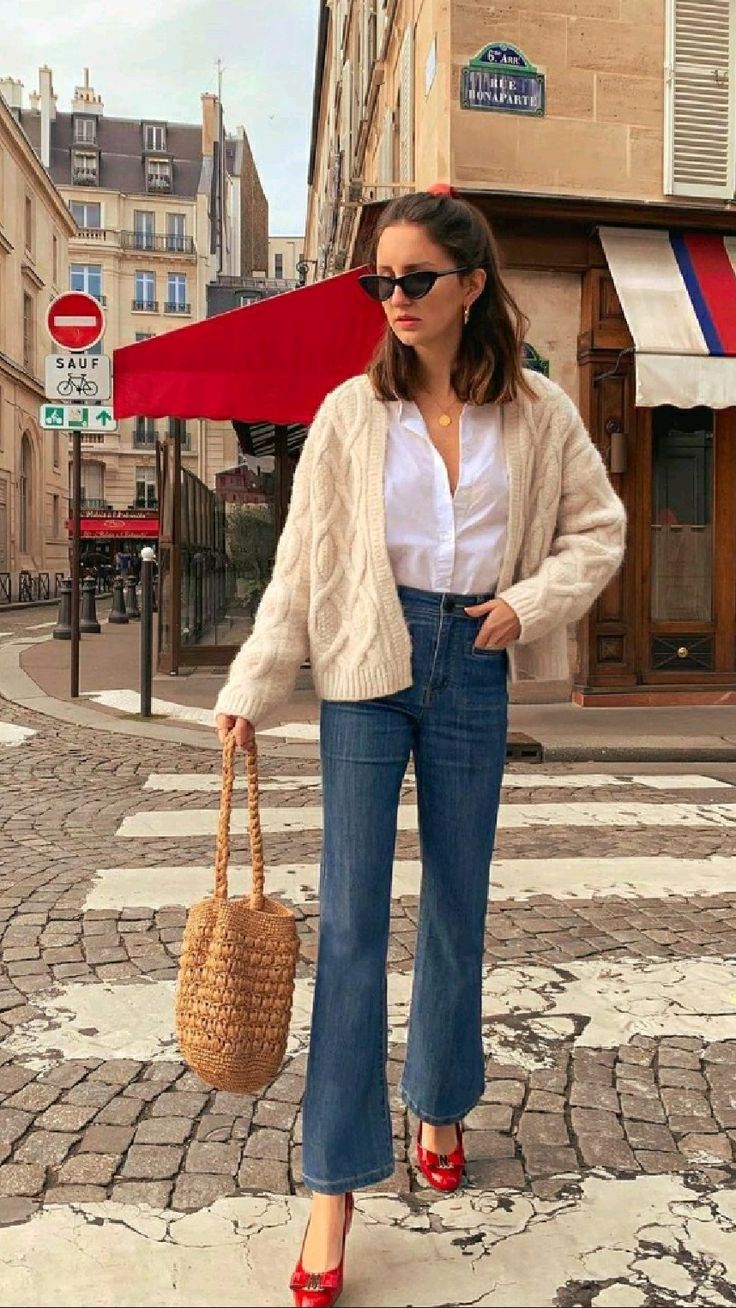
12	735
511	878
203	822
202	783
615	998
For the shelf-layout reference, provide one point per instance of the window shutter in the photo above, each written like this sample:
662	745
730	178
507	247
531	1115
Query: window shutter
406	125
346	118
385	153
700	102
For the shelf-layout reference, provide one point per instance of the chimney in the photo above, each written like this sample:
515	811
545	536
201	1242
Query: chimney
12	92
86	101
48	111
210	122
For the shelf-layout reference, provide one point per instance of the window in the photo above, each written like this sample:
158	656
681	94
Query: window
28	226
178	429
145	488
144	226
84	168
175	231
278	265
57	450
154	136
700	98
143	336
144	433
85	132
145	290
406	108
54	259
86	277
158	175
94	349
87	213
25	493
177	294
56	517
29	353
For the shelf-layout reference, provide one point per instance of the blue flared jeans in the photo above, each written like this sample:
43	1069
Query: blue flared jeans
453	720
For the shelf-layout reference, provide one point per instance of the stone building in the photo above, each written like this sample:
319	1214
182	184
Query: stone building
600	140
35	230
162	210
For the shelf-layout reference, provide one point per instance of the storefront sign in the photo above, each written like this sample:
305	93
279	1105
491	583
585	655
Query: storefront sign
532	359
124	526
501	79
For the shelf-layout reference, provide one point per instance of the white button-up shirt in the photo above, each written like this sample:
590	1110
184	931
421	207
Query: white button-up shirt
437	541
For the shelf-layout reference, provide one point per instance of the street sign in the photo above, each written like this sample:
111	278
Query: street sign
75	320
78	377
77	417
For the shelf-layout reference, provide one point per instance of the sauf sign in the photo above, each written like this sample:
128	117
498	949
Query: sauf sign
501	79
78	377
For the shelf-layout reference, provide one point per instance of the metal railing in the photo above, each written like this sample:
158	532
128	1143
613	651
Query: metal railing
157	242
148	306
173	306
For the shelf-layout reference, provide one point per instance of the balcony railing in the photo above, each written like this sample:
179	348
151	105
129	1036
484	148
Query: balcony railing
146	504
174	306
145	306
155	182
85	176
157	243
96	234
94	504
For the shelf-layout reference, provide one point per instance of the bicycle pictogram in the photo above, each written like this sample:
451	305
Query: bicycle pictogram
77	386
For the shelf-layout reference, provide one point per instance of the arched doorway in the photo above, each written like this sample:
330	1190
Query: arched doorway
25	496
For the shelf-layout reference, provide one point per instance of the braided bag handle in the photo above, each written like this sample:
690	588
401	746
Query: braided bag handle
222	855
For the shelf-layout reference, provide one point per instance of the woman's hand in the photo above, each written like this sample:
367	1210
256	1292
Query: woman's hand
244	732
501	627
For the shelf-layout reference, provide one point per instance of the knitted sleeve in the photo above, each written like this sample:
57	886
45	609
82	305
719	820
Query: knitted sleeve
264	670
587	547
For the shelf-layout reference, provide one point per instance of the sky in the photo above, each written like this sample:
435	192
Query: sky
156	57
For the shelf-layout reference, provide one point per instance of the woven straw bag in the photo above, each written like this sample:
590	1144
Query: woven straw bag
235	986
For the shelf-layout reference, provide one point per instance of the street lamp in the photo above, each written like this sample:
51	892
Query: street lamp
302	269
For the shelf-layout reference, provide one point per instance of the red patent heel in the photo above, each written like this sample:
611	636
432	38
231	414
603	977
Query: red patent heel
443	1171
321	1289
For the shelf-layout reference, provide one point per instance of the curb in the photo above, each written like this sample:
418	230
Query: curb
18	688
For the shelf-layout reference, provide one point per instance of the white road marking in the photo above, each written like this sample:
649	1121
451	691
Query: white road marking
11	735
512	817
129	701
209	784
615	998
525	1248
40	626
511	878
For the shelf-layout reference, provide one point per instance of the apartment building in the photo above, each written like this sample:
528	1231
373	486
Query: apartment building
162	210
35	229
600	141
284	254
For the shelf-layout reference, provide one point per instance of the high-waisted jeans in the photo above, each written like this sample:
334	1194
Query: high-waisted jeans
453	719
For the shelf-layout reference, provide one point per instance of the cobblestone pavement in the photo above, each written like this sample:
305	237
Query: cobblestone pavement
602	1150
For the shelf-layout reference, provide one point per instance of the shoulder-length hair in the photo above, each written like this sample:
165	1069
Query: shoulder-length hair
489	365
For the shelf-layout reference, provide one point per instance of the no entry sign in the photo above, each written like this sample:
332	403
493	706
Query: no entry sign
75	320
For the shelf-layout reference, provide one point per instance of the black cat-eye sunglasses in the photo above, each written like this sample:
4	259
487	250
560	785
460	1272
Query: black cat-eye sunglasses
415	285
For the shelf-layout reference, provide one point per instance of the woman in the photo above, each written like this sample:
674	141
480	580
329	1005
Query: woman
449	517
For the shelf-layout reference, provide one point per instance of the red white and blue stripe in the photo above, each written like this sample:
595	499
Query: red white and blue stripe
678	294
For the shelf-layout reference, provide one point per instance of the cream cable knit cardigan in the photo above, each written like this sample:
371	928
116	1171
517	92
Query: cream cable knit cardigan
332	594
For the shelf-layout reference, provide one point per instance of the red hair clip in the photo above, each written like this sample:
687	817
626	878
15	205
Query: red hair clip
442	189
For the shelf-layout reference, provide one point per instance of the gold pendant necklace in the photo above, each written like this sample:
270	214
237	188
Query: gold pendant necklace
445	420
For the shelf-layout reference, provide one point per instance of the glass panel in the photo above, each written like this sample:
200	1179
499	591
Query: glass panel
227	555
682	512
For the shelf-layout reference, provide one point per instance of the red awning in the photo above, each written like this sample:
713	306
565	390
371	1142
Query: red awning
270	362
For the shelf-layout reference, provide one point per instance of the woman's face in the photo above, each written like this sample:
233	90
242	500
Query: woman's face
407	247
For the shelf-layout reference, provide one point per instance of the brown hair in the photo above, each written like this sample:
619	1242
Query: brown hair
488	367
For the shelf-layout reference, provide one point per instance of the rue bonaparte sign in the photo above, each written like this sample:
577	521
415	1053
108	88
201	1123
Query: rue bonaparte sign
500	79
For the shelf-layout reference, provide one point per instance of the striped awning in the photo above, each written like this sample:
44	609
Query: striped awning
678	295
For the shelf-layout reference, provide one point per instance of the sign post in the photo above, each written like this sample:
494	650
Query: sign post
76	559
75	321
